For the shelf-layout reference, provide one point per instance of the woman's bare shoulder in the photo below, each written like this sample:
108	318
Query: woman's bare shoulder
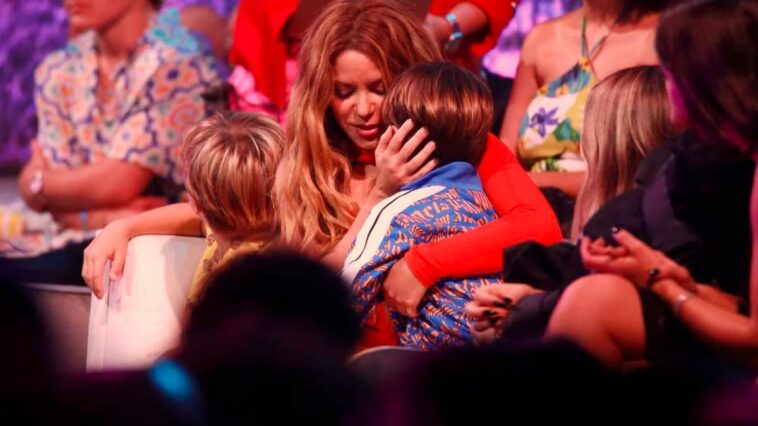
569	21
551	33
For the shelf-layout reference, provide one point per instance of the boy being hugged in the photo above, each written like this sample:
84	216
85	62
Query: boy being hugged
456	108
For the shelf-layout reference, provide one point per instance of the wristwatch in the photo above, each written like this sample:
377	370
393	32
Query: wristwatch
38	180
36	184
455	40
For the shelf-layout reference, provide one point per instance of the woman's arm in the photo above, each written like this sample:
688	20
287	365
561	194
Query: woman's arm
395	168
718	325
336	257
118	183
524	215
710	314
481	21
99	218
472	20
715	323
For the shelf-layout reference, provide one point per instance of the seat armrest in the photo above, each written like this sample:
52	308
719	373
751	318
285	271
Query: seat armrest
141	314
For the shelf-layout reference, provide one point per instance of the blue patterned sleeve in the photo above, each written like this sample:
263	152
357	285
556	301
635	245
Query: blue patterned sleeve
371	261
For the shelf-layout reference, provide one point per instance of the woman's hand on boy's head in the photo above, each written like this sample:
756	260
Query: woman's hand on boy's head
395	166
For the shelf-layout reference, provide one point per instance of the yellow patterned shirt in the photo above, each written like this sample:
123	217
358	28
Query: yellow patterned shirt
212	260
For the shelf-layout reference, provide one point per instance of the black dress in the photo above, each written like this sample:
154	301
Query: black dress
693	204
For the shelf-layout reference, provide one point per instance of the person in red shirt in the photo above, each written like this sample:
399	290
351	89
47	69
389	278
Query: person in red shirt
261	55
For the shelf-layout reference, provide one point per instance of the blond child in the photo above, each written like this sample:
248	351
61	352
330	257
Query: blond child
230	163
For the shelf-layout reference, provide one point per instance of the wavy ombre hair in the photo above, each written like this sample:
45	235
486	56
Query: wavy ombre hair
626	116
313	182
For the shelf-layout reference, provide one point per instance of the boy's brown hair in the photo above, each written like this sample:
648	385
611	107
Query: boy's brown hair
230	163
453	104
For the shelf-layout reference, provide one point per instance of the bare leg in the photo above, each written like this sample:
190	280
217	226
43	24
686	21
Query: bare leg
603	315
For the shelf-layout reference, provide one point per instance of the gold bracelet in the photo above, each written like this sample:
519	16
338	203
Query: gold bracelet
679	301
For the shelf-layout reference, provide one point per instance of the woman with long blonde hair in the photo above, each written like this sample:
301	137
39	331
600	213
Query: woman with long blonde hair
329	179
627	116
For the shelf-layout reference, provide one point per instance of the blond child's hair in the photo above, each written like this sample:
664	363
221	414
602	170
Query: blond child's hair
230	164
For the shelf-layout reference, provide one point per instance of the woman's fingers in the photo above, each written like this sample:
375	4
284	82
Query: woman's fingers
480	326
396	142
97	269
616	251
117	266
418	160
591	259
484	332
630	242
675	271
85	269
598	245
510	293
428	167
384	140
476	310
409	147
489	295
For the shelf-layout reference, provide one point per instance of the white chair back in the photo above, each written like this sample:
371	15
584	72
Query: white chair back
140	316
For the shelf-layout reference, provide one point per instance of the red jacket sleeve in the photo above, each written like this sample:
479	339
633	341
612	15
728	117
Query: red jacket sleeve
524	215
258	45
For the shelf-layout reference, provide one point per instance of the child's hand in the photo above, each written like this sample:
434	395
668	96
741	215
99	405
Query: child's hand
394	165
110	244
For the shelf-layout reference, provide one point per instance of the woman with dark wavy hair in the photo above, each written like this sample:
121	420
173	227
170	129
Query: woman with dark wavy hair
640	304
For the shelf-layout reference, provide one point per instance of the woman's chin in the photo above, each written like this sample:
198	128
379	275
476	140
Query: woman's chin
366	145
